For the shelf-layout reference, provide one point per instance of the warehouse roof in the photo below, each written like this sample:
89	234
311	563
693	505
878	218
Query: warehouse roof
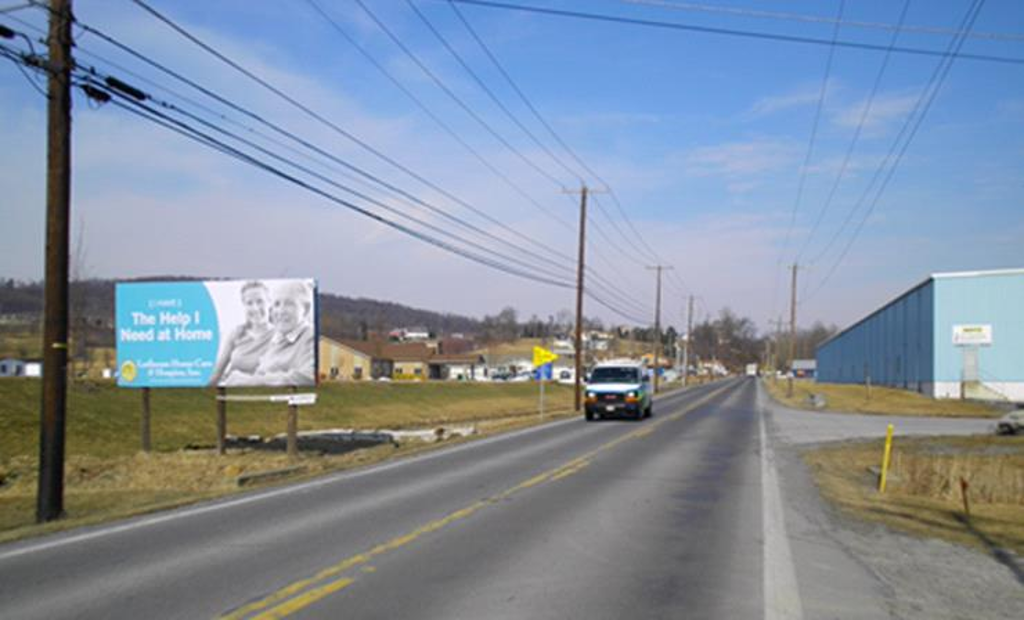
934	276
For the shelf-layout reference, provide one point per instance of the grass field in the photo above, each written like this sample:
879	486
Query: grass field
923	495
883	401
107	477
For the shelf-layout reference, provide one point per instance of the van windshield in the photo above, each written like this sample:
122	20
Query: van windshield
615	375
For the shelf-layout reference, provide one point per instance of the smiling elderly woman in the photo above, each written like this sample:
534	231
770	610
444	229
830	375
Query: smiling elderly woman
289	358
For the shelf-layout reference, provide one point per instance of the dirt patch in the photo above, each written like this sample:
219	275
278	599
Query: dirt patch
923	495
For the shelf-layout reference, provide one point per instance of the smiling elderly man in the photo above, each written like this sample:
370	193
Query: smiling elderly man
289	357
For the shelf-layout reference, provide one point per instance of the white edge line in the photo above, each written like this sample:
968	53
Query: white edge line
218	504
781	592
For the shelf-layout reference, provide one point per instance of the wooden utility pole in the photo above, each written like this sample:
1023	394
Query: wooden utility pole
50	496
686	343
792	331
579	298
145	426
657	319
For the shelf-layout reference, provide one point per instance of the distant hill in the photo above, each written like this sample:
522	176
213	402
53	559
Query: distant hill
340	317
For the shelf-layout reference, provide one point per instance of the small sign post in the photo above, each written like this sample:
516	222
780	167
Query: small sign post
542	363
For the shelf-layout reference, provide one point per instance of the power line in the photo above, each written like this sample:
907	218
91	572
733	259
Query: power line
89	81
856	135
451	132
916	118
455	98
433	76
814	129
601	281
819	19
750	34
185	128
295	103
490	94
810	150
536	113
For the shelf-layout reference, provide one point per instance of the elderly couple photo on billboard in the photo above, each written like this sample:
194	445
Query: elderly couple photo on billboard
274	342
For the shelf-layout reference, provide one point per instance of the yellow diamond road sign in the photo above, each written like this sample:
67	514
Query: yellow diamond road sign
542	356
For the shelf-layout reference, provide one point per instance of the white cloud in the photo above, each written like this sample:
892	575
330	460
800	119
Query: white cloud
806	95
885	109
740	159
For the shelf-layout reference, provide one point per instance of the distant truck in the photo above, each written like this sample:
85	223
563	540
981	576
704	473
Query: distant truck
751	370
618	389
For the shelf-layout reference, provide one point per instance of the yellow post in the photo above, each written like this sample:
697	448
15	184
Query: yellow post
885	459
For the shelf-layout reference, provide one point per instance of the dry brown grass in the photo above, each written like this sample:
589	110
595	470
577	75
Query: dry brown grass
883	401
103	488
923	493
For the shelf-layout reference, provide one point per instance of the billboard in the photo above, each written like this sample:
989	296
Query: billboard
227	333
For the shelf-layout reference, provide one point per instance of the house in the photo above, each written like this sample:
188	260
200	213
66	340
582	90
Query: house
411	360
409	334
457	366
354	360
345	360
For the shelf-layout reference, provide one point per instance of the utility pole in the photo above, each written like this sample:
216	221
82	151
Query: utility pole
50	496
657	320
579	297
792	331
777	350
686	344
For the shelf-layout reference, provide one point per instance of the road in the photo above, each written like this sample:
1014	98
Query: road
653	519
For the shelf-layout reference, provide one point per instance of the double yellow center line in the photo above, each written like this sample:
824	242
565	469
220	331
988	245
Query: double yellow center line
305	592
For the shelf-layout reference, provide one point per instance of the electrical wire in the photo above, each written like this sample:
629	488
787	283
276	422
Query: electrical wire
289	99
814	130
451	132
914	121
206	139
818	19
455	98
807	156
490	93
750	34
856	136
540	118
608	285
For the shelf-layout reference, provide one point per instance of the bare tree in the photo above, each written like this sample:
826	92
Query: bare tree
78	304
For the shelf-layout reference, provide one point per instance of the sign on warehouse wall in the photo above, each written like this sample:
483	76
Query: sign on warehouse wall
972	335
222	333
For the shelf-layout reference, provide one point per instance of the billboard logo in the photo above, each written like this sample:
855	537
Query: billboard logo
129	371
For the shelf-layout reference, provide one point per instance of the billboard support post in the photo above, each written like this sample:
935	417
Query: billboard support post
293	423
145	426
222	419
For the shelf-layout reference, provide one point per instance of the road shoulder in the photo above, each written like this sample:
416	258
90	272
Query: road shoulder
847	568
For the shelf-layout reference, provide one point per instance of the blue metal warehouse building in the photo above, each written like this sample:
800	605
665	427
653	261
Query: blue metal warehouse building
954	335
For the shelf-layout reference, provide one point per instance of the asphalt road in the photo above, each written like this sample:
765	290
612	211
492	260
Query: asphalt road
653	519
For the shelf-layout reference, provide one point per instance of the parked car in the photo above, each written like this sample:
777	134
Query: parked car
1011	423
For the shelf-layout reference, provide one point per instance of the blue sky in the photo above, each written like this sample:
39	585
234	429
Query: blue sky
702	137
